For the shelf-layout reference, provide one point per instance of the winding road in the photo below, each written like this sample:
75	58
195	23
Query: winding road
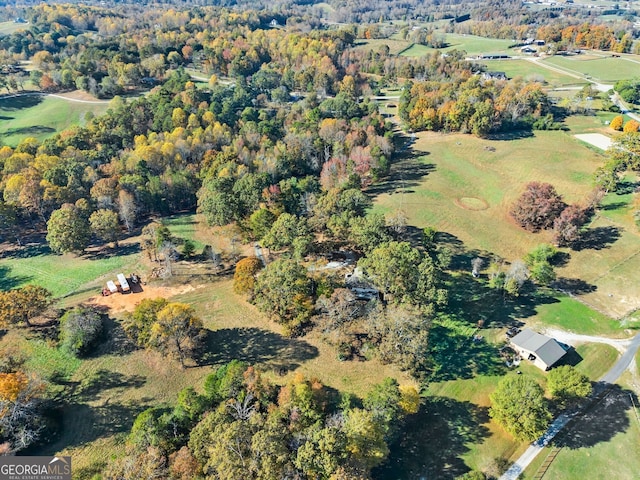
628	347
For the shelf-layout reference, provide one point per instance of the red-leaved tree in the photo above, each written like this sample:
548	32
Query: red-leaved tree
537	207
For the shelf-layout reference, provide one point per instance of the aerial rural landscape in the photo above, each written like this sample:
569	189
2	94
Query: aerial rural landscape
304	240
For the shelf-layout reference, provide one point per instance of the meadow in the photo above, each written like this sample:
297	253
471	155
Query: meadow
471	44
7	28
602	69
464	186
40	117
531	71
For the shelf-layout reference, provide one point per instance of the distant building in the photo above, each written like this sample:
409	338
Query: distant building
494	76
543	351
274	23
528	50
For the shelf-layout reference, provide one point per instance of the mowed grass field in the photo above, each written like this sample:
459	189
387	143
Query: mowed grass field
530	71
40	117
603	69
464	186
63	274
7	28
395	46
471	44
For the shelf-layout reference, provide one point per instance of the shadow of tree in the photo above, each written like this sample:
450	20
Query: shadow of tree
473	300
23	101
254	345
9	281
27	251
456	356
600	422
108	252
433	447
406	172
597	238
32	130
574	285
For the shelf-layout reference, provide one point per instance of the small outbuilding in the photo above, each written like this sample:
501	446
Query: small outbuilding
543	351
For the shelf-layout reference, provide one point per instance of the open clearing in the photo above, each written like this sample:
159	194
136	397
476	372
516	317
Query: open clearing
530	71
7	28
41	117
443	169
469	43
605	70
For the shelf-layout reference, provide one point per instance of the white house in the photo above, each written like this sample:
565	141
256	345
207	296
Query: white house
543	351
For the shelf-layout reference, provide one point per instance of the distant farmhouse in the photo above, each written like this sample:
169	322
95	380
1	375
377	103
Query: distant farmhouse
494	76
543	351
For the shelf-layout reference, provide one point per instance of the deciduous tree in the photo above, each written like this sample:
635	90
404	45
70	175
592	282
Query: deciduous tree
177	331
68	229
537	207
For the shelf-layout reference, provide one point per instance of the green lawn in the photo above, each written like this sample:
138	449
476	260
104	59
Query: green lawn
186	227
597	359
464	186
395	46
40	117
63	274
7	28
606	69
569	314
471	44
530	71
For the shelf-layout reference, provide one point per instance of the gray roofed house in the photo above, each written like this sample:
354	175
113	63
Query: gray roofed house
543	351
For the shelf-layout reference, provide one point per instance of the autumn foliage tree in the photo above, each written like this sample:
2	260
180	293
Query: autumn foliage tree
20	398
631	126
617	123
538	207
567	226
244	278
23	304
177	331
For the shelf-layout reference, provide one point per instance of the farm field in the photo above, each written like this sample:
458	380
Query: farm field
529	70
395	46
464	186
40	117
471	44
114	385
604	70
7	28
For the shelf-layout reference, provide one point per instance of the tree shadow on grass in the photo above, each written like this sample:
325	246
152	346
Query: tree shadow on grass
27	251
607	416
10	281
406	172
21	102
32	130
597	238
440	434
574	285
456	356
256	346
108	252
473	300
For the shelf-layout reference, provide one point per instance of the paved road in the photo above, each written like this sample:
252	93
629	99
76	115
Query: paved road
559	423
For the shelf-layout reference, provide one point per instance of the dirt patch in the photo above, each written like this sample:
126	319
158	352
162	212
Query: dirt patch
596	139
471	203
126	302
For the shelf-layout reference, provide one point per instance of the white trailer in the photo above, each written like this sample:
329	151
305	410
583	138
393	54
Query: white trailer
124	285
112	286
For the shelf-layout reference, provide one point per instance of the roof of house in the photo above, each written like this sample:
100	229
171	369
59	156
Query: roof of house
548	350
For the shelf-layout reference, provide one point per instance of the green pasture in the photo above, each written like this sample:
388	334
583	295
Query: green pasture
603	69
40	117
395	46
567	313
186	227
471	44
7	28
464	186
63	274
530	71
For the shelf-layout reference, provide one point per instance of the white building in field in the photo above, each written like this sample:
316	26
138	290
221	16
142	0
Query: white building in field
543	351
